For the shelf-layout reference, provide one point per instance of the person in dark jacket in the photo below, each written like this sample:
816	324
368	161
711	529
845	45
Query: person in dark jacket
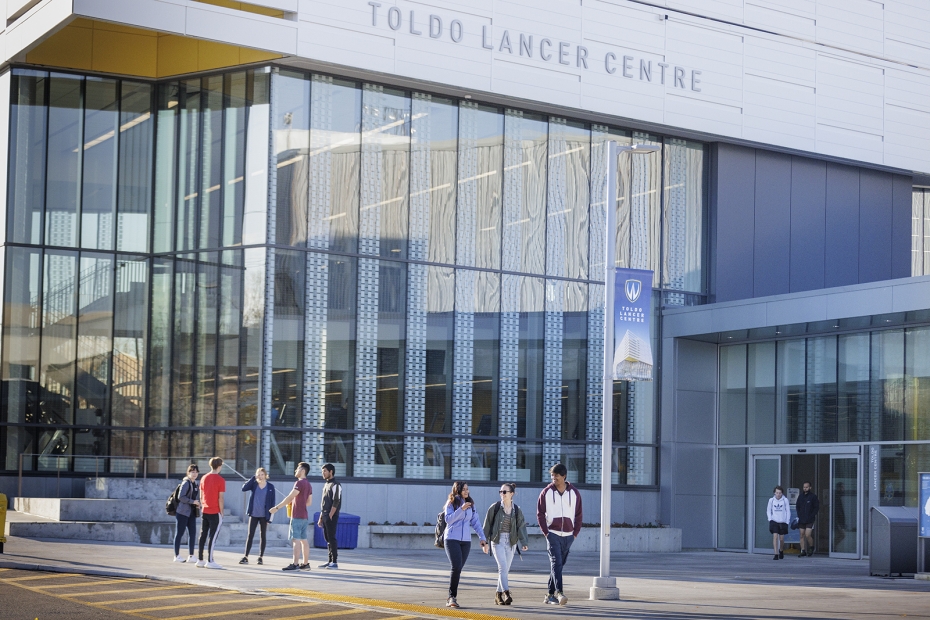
807	508
186	513
260	503
329	514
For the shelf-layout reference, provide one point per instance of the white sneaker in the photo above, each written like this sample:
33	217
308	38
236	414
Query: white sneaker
191	559
201	563
213	565
178	558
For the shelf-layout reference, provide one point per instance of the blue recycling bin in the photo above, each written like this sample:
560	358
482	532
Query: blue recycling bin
346	531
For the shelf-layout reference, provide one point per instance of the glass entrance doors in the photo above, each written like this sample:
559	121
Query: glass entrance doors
834	473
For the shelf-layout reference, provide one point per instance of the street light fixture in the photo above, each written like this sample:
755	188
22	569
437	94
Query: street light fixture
605	586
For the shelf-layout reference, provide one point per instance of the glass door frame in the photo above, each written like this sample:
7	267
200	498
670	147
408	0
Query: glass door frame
835	451
856	511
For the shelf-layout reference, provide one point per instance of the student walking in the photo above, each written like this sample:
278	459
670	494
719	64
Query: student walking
558	512
186	513
299	499
807	508
329	514
261	502
505	526
778	512
212	495
460	516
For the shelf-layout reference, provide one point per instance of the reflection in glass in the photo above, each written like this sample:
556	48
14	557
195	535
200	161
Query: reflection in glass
480	179
95	331
917	396
853	388
529	462
256	159
288	350
183	343
26	196
228	337
574	375
440	324
233	184
63	189
531	355
638	217
135	167
211	181
188	190
21	323
789	389
165	162
525	158
160	358
129	340
339	377
338	451
59	337
392	304
205	376
887	389
683	216
285	454
732	395
760	393
434	129
388	457
335	159
568	199
817	422
486	371
253	318
98	200
844	513
291	141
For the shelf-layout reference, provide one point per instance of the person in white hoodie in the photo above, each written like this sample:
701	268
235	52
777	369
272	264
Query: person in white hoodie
779	514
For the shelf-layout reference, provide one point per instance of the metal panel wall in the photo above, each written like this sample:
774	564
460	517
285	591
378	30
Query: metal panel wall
808	223
874	226
841	252
772	224
735	195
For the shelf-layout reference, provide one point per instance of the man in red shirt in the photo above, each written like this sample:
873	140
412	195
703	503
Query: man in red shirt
300	498
212	493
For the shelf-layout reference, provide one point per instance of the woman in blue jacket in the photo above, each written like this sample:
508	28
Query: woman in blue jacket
261	502
460	516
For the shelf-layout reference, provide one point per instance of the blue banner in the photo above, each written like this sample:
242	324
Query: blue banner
632	314
923	517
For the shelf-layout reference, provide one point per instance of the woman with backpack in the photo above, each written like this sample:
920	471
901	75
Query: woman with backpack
506	529
261	501
187	512
461	518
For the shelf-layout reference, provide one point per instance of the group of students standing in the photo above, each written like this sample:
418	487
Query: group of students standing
558	512
207	497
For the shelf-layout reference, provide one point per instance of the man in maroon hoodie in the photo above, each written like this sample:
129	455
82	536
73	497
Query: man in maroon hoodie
558	512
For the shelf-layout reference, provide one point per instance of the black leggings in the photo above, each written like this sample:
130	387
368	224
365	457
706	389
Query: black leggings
209	529
190	525
457	552
261	522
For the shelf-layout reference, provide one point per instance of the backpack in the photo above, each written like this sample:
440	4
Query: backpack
441	530
171	506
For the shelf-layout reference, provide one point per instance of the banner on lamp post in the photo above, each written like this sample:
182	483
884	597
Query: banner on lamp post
632	359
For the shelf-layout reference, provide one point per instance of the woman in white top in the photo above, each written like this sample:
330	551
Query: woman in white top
779	514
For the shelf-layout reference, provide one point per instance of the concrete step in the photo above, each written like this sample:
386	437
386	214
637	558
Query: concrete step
103	510
145	532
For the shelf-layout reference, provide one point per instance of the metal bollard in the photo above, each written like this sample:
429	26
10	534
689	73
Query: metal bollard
2	520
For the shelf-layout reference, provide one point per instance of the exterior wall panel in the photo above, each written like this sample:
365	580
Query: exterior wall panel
771	253
735	222
841	252
875	226
808	223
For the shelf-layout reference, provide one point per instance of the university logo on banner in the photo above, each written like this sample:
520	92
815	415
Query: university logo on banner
632	314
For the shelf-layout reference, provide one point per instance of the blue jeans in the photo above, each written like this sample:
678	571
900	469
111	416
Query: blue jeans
558	547
185	523
457	552
503	555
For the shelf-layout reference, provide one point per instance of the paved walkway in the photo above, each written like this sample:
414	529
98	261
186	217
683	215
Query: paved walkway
682	586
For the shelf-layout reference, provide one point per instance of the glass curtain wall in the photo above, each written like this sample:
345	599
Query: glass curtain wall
333	271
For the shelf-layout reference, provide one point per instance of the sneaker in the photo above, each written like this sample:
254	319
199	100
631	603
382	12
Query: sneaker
781	555
333	565
452	602
561	598
507	598
213	565
178	558
259	562
201	564
244	560
550	600
326	565
776	557
290	567
803	554
304	566
191	559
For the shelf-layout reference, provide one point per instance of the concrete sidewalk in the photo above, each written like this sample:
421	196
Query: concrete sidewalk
679	586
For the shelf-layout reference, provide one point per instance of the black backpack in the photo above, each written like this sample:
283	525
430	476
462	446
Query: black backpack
171	506
441	530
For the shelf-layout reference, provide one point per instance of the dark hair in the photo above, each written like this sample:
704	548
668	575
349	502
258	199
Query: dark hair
304	466
513	486
192	467
779	488
330	468
807	482
558	469
216	462
457	487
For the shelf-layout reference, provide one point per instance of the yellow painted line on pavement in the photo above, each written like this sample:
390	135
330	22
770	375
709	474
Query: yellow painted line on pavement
250	610
121	591
379	604
33	577
89	583
167	607
325	614
150	598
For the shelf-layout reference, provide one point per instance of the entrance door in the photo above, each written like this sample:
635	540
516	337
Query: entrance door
844	507
766	476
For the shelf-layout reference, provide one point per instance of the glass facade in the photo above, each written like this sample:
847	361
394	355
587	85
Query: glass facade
276	266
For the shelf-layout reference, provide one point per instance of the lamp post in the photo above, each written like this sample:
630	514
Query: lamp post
605	586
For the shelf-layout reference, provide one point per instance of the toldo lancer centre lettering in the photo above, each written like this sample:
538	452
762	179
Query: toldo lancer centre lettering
529	46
